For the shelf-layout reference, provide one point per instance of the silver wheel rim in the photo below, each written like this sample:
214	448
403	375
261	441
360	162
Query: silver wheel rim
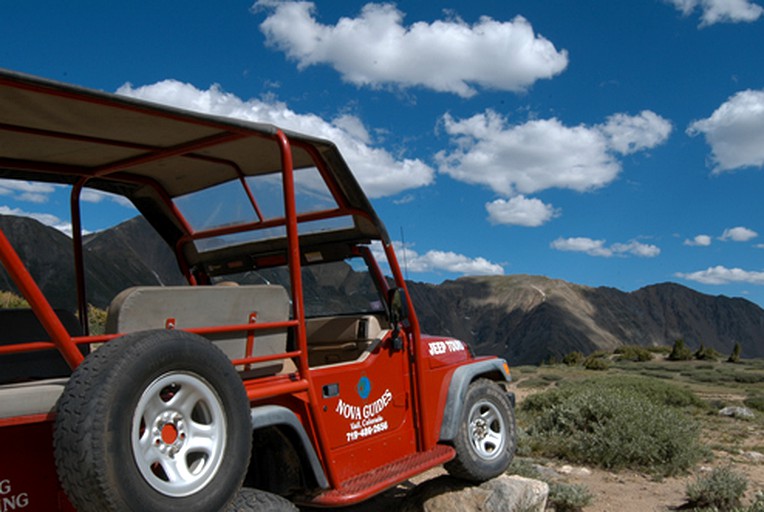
487	430
178	434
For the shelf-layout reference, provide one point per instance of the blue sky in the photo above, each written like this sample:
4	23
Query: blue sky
607	143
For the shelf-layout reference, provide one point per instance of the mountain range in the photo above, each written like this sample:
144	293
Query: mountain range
526	319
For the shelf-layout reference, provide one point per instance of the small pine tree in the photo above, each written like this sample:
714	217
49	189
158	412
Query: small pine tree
706	354
735	355
573	359
680	352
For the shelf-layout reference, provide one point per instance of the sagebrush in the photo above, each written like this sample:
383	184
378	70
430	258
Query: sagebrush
617	423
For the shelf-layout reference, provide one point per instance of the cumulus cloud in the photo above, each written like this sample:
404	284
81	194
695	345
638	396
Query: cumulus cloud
32	192
43	218
720	275
520	211
599	247
735	132
629	134
738	234
376	48
521	159
544	153
379	172
699	241
90	195
720	11
439	261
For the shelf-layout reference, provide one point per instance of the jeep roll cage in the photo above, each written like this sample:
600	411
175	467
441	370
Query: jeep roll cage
154	155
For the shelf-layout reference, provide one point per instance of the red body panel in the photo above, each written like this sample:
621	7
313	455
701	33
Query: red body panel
28	478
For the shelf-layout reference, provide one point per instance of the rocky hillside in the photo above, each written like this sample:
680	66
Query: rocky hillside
529	319
526	319
111	260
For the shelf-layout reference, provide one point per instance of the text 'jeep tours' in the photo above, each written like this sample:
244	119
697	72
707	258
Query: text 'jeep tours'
288	362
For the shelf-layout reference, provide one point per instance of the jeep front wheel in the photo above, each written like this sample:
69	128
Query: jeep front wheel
485	443
153	421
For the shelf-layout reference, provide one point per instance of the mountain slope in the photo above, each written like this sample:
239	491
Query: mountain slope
532	318
526	319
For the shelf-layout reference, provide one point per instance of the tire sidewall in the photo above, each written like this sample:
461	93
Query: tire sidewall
146	357
476	467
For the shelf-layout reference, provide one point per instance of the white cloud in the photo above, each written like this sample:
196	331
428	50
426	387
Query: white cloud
720	275
738	234
90	195
735	132
439	261
44	218
720	11
543	154
598	247
582	244
629	134
379	172
376	49
636	249
699	241
32	192
520	211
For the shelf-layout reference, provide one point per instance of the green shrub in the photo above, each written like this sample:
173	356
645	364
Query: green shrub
9	300
680	352
613	424
658	375
755	402
659	392
573	359
706	354
749	378
722	489
534	382
596	363
568	497
524	468
633	353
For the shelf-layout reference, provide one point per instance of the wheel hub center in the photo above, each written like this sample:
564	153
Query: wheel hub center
480	428
169	433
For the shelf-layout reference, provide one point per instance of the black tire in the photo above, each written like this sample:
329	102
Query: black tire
153	421
485	444
255	500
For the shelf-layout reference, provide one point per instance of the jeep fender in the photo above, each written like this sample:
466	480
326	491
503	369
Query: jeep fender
275	415
457	390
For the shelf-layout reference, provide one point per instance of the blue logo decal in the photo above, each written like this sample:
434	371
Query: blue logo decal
364	387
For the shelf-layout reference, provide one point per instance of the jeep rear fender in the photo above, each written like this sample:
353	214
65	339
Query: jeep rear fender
494	369
278	416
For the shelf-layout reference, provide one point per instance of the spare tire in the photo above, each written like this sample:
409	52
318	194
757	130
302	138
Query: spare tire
153	421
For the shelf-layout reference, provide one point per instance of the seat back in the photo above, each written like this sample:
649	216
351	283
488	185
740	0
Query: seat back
185	307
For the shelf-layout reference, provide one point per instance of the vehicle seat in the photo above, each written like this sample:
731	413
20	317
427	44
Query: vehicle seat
186	307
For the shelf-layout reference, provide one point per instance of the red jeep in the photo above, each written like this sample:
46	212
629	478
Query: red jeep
288	362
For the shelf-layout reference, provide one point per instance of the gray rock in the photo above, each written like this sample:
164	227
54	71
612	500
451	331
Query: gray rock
502	494
737	412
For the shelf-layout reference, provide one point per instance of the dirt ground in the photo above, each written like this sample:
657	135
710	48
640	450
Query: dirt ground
622	491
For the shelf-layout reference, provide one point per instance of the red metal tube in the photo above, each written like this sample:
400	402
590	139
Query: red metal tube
31	292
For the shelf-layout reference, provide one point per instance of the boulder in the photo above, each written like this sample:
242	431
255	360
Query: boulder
501	494
737	412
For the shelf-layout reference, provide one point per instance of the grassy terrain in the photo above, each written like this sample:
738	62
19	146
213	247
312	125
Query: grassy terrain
643	413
